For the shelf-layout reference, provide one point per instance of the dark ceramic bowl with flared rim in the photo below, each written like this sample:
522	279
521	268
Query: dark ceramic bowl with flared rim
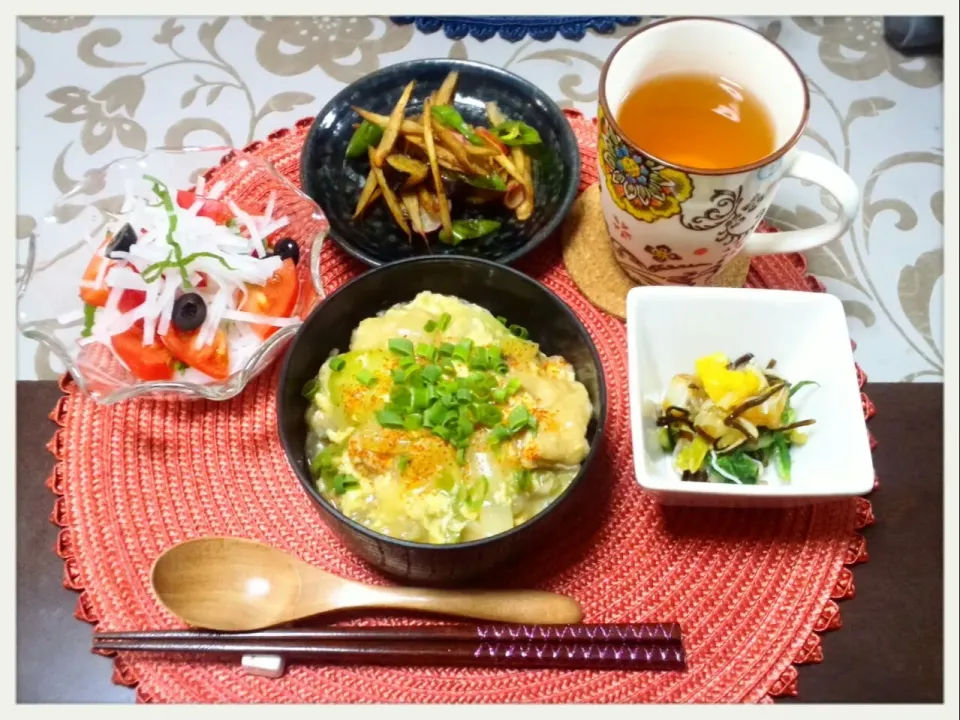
334	182
504	292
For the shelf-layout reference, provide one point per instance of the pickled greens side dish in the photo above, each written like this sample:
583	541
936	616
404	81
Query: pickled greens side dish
444	424
731	420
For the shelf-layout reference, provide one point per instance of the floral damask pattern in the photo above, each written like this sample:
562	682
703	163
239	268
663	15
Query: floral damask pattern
642	187
105	114
91	89
324	42
56	24
854	48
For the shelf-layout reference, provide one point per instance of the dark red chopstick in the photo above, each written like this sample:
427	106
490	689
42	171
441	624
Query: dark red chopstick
626	633
655	646
508	654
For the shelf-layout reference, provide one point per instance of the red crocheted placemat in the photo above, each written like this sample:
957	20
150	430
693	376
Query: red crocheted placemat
752	589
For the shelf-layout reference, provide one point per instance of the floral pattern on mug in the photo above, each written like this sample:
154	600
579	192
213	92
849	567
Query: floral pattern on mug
642	187
661	253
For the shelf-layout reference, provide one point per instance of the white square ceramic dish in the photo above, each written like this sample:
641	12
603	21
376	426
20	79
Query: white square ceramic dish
806	333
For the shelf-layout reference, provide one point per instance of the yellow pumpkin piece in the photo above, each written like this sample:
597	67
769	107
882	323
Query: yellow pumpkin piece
727	388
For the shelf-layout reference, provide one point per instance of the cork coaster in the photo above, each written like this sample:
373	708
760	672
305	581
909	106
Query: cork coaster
588	257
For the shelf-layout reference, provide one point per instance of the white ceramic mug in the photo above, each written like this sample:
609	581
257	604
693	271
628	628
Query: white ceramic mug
672	225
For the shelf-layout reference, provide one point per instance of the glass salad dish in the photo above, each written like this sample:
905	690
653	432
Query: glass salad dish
175	274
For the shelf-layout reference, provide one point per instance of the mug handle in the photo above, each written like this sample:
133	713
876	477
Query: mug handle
822	172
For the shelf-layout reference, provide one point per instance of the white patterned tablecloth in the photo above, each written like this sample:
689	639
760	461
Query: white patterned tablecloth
90	90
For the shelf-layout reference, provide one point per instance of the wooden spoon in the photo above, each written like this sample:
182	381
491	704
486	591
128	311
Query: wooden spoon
233	585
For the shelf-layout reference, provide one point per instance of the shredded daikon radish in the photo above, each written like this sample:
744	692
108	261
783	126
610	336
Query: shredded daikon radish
250	225
167	298
255	319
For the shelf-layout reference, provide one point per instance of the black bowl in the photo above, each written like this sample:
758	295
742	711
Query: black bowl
499	289
334	182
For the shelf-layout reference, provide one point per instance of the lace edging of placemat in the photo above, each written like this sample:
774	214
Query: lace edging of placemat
786	685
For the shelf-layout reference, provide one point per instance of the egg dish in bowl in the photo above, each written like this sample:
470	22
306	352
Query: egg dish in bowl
441	412
444	424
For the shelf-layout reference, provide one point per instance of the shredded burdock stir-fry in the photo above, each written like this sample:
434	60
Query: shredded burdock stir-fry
422	165
731	420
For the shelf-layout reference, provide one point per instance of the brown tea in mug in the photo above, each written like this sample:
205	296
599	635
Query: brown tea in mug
697	121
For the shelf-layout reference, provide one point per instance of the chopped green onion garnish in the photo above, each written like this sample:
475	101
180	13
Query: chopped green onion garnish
413	421
488	414
421	398
524	480
461	455
502	320
499	434
450	417
520	332
406	361
448	401
431	374
513	387
519	418
433	417
426	351
500	396
444	321
403	463
430	326
401	396
462	350
477	493
325	460
310	388
479	359
465	427
400	346
365	377
390	419
399	376
337	363
342	483
464	396
446	349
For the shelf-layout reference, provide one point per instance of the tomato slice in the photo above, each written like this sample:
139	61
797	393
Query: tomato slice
131	299
146	362
278	298
212	359
214	209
